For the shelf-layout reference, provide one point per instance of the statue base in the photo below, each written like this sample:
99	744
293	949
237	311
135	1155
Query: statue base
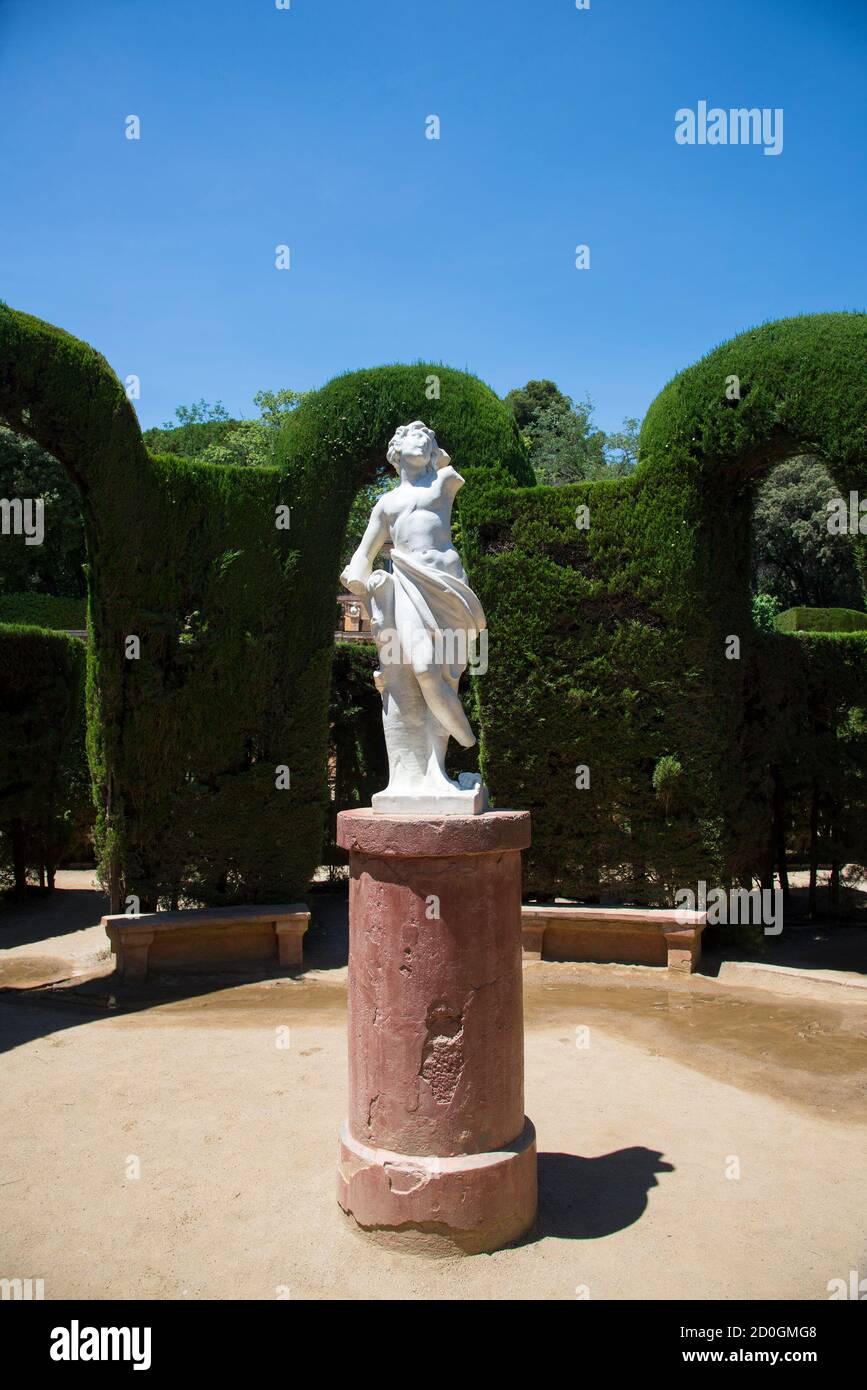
468	797
437	1155
456	803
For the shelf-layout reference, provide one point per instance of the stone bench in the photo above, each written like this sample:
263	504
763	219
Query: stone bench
207	938
627	935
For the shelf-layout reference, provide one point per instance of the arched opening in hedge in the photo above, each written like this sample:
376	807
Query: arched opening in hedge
617	657
609	642
211	608
802	558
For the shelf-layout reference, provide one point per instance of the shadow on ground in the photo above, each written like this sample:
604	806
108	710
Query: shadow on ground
804	946
586	1198
43	915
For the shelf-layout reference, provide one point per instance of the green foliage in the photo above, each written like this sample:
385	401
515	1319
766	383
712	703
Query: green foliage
55	567
821	620
667	781
195	429
355	737
810	733
565	446
526	402
274	406
208	434
795	557
595	659
235	616
254	441
359	514
608	645
44	786
765	608
621	448
802	391
44	610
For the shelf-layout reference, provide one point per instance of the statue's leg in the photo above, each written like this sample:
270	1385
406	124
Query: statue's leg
405	718
444	703
439	735
437	760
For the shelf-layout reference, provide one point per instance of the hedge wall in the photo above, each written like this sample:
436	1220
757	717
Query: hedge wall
235	617
357	760
44	787
608	645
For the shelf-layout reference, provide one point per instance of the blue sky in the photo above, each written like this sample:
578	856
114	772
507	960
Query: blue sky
307	127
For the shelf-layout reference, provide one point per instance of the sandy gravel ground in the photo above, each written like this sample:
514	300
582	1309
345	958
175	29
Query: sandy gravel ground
683	1083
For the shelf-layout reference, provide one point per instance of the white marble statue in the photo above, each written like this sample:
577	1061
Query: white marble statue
425	618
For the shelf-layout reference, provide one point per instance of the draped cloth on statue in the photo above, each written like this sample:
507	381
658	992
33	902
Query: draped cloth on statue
436	614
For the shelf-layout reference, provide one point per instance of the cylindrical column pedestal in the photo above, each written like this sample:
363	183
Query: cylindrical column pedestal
437	1154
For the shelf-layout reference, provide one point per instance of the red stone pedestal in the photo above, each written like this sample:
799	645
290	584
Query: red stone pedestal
437	1154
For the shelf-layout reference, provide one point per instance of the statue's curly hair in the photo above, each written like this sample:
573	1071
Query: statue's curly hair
438	457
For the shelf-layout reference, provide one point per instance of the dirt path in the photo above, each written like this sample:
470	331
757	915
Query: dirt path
235	1137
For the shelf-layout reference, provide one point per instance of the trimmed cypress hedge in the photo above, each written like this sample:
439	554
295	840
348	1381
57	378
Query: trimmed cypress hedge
821	620
607	644
44	610
235	617
44	786
358	762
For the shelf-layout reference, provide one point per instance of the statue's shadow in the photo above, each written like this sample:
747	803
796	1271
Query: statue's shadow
586	1198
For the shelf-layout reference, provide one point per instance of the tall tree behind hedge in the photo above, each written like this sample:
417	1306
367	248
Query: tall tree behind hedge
565	445
795	557
55	567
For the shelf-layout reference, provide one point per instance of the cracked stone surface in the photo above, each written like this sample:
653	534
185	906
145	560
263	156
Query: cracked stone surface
436	1098
435	1004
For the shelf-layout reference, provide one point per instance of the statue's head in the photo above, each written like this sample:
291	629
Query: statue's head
414	447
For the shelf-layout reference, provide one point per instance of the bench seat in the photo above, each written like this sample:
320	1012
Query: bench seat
628	935
207	938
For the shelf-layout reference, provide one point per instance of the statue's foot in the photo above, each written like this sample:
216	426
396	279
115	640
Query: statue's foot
454	801
434	795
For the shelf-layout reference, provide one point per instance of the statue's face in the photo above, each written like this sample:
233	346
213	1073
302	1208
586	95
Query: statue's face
415	449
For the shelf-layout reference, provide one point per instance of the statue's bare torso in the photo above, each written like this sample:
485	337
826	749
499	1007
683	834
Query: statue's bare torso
416	517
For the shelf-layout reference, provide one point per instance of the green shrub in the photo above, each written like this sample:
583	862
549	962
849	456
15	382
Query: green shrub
765	608
807	738
44	610
795	556
821	620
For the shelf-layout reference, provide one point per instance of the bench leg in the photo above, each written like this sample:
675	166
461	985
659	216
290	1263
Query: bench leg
290	942
532	938
684	950
133	958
